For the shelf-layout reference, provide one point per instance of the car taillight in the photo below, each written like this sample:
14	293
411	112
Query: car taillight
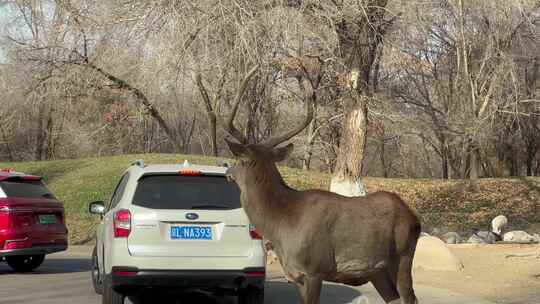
253	233
4	217
122	223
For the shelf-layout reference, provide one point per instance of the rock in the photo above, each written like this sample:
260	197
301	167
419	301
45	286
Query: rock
433	254
435	231
483	237
498	223
519	236
452	238
475	239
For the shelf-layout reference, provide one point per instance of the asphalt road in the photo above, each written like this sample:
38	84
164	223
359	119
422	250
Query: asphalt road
65	278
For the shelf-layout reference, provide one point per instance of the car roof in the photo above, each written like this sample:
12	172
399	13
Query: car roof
140	169
6	174
165	168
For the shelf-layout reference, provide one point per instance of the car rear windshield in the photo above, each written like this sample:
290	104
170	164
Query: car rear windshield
187	192
26	189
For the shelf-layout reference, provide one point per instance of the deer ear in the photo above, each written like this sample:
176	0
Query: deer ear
237	149
280	154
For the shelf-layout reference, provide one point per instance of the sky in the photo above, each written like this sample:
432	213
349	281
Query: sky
3	20
8	22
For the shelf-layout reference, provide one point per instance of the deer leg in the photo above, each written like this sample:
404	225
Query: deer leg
385	286
310	290
404	280
393	267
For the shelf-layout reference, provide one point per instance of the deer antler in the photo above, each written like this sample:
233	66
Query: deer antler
310	104
229	125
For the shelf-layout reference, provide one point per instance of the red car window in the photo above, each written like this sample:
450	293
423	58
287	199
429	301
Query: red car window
26	189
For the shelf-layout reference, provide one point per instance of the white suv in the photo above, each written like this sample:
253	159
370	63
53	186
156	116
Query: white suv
176	227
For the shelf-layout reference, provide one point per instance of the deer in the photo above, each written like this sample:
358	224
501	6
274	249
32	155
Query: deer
319	235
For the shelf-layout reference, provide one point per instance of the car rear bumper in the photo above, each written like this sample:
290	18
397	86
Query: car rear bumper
33	250
126	279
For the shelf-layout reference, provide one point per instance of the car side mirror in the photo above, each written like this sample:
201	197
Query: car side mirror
97	207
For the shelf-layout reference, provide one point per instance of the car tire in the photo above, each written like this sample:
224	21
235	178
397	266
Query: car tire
25	263
111	296
251	296
97	280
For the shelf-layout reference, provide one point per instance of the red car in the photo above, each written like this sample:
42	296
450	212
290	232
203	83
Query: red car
31	221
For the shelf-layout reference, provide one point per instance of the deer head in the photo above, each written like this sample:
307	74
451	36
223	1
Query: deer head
254	158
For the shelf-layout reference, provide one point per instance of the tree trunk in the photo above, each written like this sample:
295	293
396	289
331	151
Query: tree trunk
210	111
346	180
359	39
7	144
474	167
311	140
213	133
49	132
189	137
530	158
537	171
383	158
444	161
40	133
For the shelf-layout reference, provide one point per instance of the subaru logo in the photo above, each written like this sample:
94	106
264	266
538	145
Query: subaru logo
192	216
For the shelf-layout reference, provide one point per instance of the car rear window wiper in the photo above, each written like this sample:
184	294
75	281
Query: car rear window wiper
210	206
47	195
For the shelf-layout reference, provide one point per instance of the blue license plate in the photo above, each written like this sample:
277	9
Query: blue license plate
191	232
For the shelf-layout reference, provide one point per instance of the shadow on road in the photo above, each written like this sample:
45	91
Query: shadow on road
183	298
283	292
52	266
275	293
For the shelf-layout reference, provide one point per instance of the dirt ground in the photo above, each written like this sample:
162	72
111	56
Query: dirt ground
490	275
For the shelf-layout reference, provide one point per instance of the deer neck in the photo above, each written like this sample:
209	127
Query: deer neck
264	198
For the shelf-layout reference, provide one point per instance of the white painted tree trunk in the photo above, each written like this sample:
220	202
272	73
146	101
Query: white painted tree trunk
347	187
347	177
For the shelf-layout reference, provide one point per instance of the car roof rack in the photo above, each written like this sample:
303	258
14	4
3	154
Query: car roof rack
139	163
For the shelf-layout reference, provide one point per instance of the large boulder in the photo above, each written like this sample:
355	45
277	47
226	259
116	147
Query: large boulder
519	236
433	254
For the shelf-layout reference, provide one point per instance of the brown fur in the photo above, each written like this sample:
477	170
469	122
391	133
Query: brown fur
319	235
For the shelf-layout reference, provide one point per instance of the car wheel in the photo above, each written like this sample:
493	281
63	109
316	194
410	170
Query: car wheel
25	263
251	296
111	296
97	280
